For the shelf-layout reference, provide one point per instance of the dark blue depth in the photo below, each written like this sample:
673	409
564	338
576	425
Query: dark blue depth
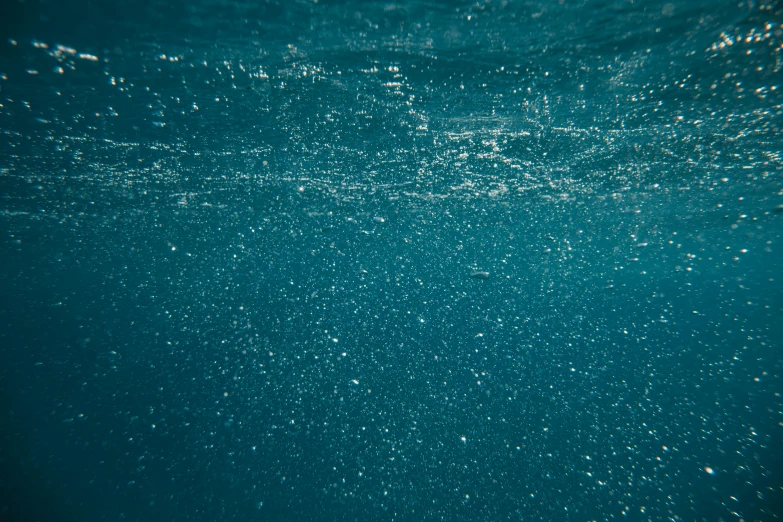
326	260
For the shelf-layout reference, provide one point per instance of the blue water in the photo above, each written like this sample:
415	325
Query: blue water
342	260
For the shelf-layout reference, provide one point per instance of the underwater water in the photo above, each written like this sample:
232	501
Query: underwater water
403	260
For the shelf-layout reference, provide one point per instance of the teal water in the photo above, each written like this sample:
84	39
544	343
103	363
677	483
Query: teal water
412	260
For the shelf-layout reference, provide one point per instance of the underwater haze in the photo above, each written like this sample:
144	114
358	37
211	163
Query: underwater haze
321	260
